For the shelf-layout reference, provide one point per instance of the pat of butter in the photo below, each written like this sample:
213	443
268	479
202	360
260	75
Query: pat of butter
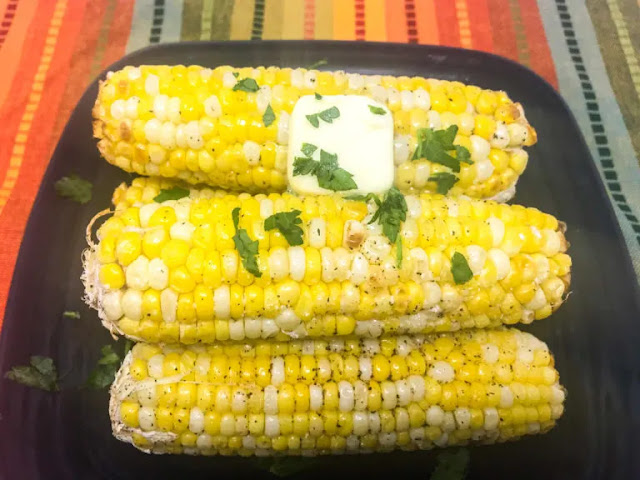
362	140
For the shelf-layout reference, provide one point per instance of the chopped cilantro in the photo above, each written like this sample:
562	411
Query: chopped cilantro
328	116
319	63
40	373
269	117
392	211
452	465
70	314
444	181
288	225
74	188
329	174
399	252
247	248
437	147
377	110
246	85
460	269
318	96
175	193
105	372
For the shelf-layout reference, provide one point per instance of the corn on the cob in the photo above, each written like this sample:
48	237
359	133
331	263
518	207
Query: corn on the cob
190	123
169	272
338	396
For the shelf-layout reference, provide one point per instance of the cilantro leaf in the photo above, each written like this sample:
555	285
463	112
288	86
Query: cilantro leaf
460	269
377	110
105	372
392	211
74	188
175	193
70	314
246	85
319	63
313	120
329	174
399	252
269	117
247	248
330	114
40	373
437	147
236	74
308	149
451	465
318	96
288	224
445	181
128	345
304	166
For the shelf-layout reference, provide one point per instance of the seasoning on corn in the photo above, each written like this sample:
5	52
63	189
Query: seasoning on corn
207	126
170	272
350	395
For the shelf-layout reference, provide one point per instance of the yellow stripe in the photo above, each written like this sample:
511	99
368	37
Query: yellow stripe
273	13
324	20
35	95
241	20
293	20
374	19
205	19
463	23
625	44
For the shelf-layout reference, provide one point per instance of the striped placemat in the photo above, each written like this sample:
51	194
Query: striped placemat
50	50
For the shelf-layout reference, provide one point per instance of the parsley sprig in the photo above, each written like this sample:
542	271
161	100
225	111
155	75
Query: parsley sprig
74	188
444	181
247	248
269	116
437	147
377	110
392	211
105	372
328	116
288	225
329	174
246	85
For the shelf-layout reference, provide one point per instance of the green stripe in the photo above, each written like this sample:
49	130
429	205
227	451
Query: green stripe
258	20
221	22
191	20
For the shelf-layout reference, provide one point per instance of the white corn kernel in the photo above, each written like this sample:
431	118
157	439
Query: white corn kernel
297	263
168	305
111	305
442	372
212	107
118	109
317	233
222	302
132	304
251	152
137	273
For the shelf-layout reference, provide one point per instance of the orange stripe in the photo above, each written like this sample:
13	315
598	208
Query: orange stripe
309	19
448	24
462	13
539	52
428	31
344	18
396	21
119	33
14	45
480	25
374	17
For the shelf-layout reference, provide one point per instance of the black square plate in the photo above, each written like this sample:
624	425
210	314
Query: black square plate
595	337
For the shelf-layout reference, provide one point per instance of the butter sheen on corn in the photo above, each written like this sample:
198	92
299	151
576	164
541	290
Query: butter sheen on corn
187	122
348	395
170	273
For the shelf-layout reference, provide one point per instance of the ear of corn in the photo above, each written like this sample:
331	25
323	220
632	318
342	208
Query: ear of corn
189	123
338	396
170	272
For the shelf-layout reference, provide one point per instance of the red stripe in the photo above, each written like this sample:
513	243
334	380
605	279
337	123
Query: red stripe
360	23
448	23
504	37
412	21
119	33
480	25
309	19
7	19
15	213
539	51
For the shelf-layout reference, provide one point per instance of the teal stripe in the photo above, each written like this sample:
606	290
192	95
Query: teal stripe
142	23
622	159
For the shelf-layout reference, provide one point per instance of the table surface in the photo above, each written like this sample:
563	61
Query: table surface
50	50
